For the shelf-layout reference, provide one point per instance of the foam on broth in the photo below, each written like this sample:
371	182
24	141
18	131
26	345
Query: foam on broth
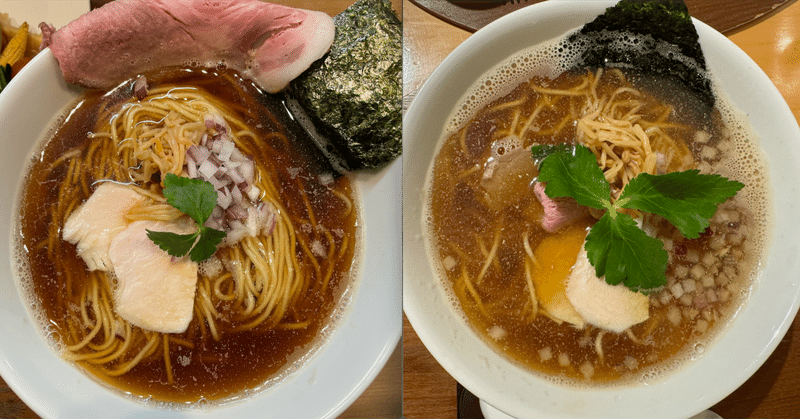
742	159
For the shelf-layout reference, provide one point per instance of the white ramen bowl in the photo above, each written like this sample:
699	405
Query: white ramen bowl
323	387
735	355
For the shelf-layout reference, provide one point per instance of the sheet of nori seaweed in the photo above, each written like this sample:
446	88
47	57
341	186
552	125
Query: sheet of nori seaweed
354	95
670	48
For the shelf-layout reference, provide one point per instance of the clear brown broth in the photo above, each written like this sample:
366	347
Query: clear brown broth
464	218
241	360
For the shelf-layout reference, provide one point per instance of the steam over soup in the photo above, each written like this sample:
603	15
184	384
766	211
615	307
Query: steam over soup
172	328
512	257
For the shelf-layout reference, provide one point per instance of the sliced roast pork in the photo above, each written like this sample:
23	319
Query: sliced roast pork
558	212
270	43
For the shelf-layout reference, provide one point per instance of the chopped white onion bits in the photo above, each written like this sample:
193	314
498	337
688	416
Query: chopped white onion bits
217	160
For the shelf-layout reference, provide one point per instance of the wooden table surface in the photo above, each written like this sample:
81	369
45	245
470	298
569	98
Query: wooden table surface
382	399
773	391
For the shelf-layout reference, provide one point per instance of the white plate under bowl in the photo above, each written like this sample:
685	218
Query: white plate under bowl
325	386
737	353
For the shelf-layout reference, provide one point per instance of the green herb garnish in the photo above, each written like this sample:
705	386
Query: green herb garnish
615	246
5	76
195	198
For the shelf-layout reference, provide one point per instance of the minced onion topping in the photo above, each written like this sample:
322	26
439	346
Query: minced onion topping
239	211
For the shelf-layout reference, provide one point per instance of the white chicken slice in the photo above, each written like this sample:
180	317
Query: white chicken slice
154	290
95	223
609	307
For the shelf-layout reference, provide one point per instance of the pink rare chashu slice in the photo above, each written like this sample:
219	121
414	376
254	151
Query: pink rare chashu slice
270	43
558	212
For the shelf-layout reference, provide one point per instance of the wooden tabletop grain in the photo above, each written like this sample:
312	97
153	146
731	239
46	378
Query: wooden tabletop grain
773	41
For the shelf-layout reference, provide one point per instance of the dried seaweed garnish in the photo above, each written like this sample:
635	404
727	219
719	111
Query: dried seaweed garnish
667	43
354	94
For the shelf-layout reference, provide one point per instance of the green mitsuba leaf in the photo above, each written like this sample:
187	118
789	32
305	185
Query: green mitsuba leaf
207	245
624	253
175	244
686	199
618	249
197	199
576	175
193	197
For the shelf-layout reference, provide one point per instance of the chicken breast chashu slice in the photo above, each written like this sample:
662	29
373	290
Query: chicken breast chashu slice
154	291
609	307
95	223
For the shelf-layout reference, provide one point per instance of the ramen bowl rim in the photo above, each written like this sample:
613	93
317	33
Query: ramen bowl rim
334	375
512	389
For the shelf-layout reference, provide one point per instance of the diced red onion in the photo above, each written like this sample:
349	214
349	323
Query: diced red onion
711	295
700	301
235	176
222	136
248	170
216	212
214	159
265	213
232	174
224	182
216	183
191	167
215	122
236	194
238	156
199	154
253	221
237	211
266	217
193	151
221	173
214	223
236	233
226	150
224	199
140	87
207	169
254	193
216	147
